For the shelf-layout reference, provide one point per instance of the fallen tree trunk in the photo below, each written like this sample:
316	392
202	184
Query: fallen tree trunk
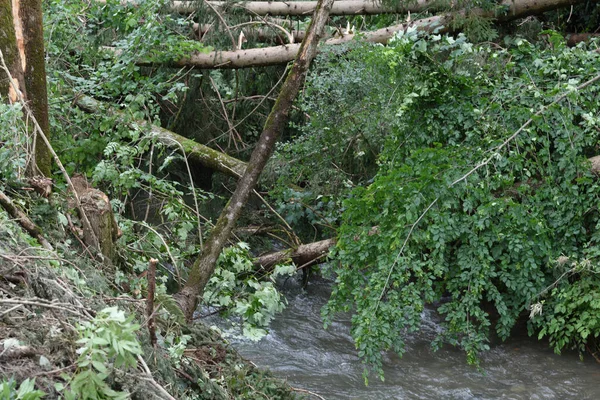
282	54
278	119
304	8
196	152
303	255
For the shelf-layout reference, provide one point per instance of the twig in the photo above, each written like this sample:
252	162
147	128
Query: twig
10	310
232	130
412	228
150	192
261	101
67	290
309	263
223	22
54	306
55	371
151	276
179	281
289	228
522	128
288	34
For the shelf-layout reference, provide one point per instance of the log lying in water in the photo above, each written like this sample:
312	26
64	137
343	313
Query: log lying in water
303	255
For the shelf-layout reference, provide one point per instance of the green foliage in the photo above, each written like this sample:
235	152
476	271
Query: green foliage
13	142
76	42
26	391
568	315
108	341
339	145
235	287
457	220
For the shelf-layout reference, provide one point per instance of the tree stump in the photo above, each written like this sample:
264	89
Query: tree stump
98	209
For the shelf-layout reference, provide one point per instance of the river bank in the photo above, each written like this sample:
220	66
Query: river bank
56	306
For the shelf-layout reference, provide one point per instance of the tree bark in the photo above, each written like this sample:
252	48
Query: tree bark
22	43
197	153
282	54
278	118
303	255
305	8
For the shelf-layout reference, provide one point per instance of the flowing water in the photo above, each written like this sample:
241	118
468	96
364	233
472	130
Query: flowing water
325	362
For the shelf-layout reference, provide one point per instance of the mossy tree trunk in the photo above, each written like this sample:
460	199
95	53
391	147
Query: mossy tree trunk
204	266
22	44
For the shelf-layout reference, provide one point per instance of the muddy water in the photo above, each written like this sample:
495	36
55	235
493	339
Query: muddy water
325	362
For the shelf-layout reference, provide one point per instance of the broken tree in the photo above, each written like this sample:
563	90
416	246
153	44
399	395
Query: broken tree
198	154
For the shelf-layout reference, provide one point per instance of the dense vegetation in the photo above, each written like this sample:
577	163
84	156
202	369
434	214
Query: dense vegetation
475	208
454	172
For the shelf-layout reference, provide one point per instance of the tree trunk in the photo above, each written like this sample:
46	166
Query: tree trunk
276	122
22	44
306	8
197	153
304	255
282	54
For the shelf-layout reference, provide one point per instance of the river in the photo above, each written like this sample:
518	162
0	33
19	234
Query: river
325	362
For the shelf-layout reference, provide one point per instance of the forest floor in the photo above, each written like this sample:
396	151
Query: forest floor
47	298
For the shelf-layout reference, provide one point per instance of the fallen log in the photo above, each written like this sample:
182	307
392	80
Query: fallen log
303	255
282	54
196	152
303	8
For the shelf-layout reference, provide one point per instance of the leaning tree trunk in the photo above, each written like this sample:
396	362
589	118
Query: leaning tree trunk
276	122
22	44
